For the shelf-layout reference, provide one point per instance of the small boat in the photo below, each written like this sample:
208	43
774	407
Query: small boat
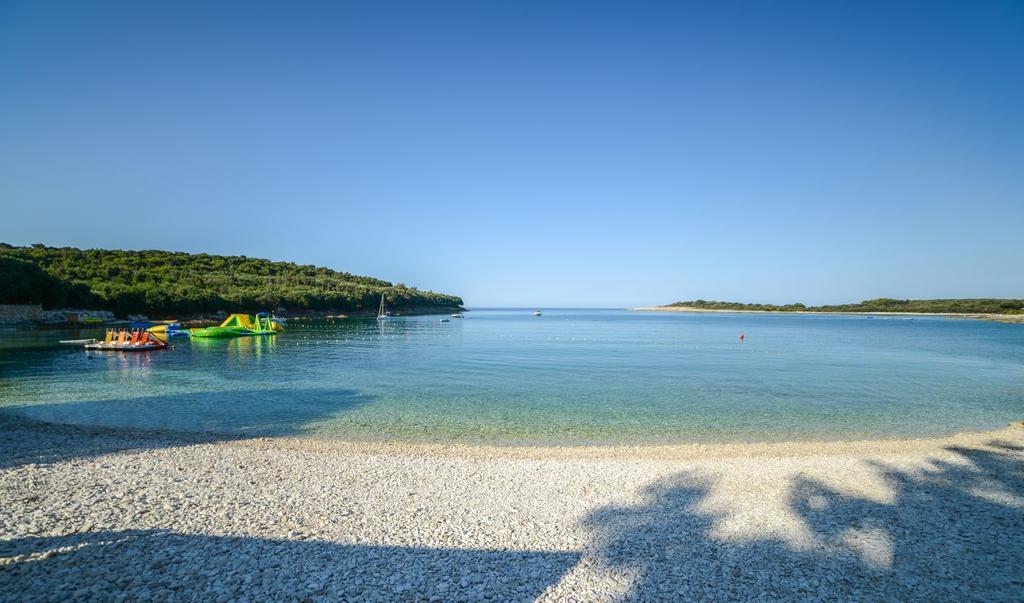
445	320
536	312
127	341
382	313
168	328
457	315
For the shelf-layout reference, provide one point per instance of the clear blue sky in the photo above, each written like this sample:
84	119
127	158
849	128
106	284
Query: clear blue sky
519	153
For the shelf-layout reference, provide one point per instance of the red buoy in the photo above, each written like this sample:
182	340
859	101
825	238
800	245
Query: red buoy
742	336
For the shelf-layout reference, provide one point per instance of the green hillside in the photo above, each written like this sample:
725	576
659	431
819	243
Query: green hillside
955	306
172	283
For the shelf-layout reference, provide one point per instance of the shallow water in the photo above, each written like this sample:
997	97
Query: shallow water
570	376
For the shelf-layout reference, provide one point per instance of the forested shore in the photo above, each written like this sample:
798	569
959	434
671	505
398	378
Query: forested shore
164	283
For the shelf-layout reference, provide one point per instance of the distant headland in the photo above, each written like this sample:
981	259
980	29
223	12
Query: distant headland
1007	310
167	283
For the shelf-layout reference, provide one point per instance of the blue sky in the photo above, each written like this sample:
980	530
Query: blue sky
549	153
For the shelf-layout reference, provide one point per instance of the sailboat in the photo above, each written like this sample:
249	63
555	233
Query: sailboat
381	312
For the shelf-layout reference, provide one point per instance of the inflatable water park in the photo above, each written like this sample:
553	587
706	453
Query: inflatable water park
241	325
144	335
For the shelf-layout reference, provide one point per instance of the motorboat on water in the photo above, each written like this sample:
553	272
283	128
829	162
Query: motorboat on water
536	312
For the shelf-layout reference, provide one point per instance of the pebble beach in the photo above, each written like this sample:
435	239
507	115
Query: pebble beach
95	514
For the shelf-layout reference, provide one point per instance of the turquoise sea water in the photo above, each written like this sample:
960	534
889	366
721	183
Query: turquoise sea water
570	376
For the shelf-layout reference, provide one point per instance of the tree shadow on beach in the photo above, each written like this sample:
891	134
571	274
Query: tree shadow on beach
948	532
953	529
665	550
165	565
49	433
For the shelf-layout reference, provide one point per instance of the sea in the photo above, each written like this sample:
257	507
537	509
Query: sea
567	377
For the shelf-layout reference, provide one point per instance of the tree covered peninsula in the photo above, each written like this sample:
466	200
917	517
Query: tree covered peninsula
935	306
165	283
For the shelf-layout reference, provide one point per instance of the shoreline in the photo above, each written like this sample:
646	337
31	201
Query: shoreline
208	320
1006	318
681	451
460	449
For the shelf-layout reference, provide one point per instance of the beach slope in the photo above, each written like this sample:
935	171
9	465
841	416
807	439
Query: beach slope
97	514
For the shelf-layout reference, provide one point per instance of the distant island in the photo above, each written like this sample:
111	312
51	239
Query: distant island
981	306
166	283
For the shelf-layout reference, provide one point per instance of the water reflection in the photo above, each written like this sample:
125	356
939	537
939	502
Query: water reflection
251	347
237	347
121	366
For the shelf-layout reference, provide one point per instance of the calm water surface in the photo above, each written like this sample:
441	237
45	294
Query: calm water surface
570	376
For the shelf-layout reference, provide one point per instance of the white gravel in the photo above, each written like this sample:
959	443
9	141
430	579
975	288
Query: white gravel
110	515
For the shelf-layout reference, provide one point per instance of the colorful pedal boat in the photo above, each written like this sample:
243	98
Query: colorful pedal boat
127	341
